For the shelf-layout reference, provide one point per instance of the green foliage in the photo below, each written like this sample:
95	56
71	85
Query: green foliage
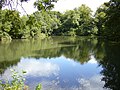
44	5
48	21
100	17
33	31
16	84
11	23
112	25
107	20
76	22
38	87
34	25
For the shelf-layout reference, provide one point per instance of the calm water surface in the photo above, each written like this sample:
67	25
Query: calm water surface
63	63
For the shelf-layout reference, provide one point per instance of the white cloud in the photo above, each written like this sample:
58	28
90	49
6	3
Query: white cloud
38	68
34	68
92	60
93	83
44	68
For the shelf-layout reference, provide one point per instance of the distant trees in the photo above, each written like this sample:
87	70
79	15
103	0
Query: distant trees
77	22
39	24
48	21
35	25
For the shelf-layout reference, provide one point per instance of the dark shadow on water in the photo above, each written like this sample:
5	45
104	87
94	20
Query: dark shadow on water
111	66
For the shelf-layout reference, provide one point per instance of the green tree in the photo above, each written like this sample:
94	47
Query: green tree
85	21
77	22
100	18
112	25
107	19
44	4
48	21
10	23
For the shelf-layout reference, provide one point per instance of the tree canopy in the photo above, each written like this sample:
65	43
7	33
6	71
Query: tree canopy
76	22
44	22
108	19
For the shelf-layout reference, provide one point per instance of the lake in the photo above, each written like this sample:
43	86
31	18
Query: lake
63	63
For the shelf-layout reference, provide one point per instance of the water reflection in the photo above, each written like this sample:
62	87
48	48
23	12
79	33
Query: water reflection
63	64
59	73
111	66
78	49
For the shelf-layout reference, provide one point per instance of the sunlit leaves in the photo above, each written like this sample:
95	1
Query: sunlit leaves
77	22
7	26
44	5
48	21
100	18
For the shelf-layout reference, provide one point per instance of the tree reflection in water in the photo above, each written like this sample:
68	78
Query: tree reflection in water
77	49
111	66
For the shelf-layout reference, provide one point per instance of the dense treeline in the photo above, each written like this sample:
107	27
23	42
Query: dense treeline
38	24
107	20
77	22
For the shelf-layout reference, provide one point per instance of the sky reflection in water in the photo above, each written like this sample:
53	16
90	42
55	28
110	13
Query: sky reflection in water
60	73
